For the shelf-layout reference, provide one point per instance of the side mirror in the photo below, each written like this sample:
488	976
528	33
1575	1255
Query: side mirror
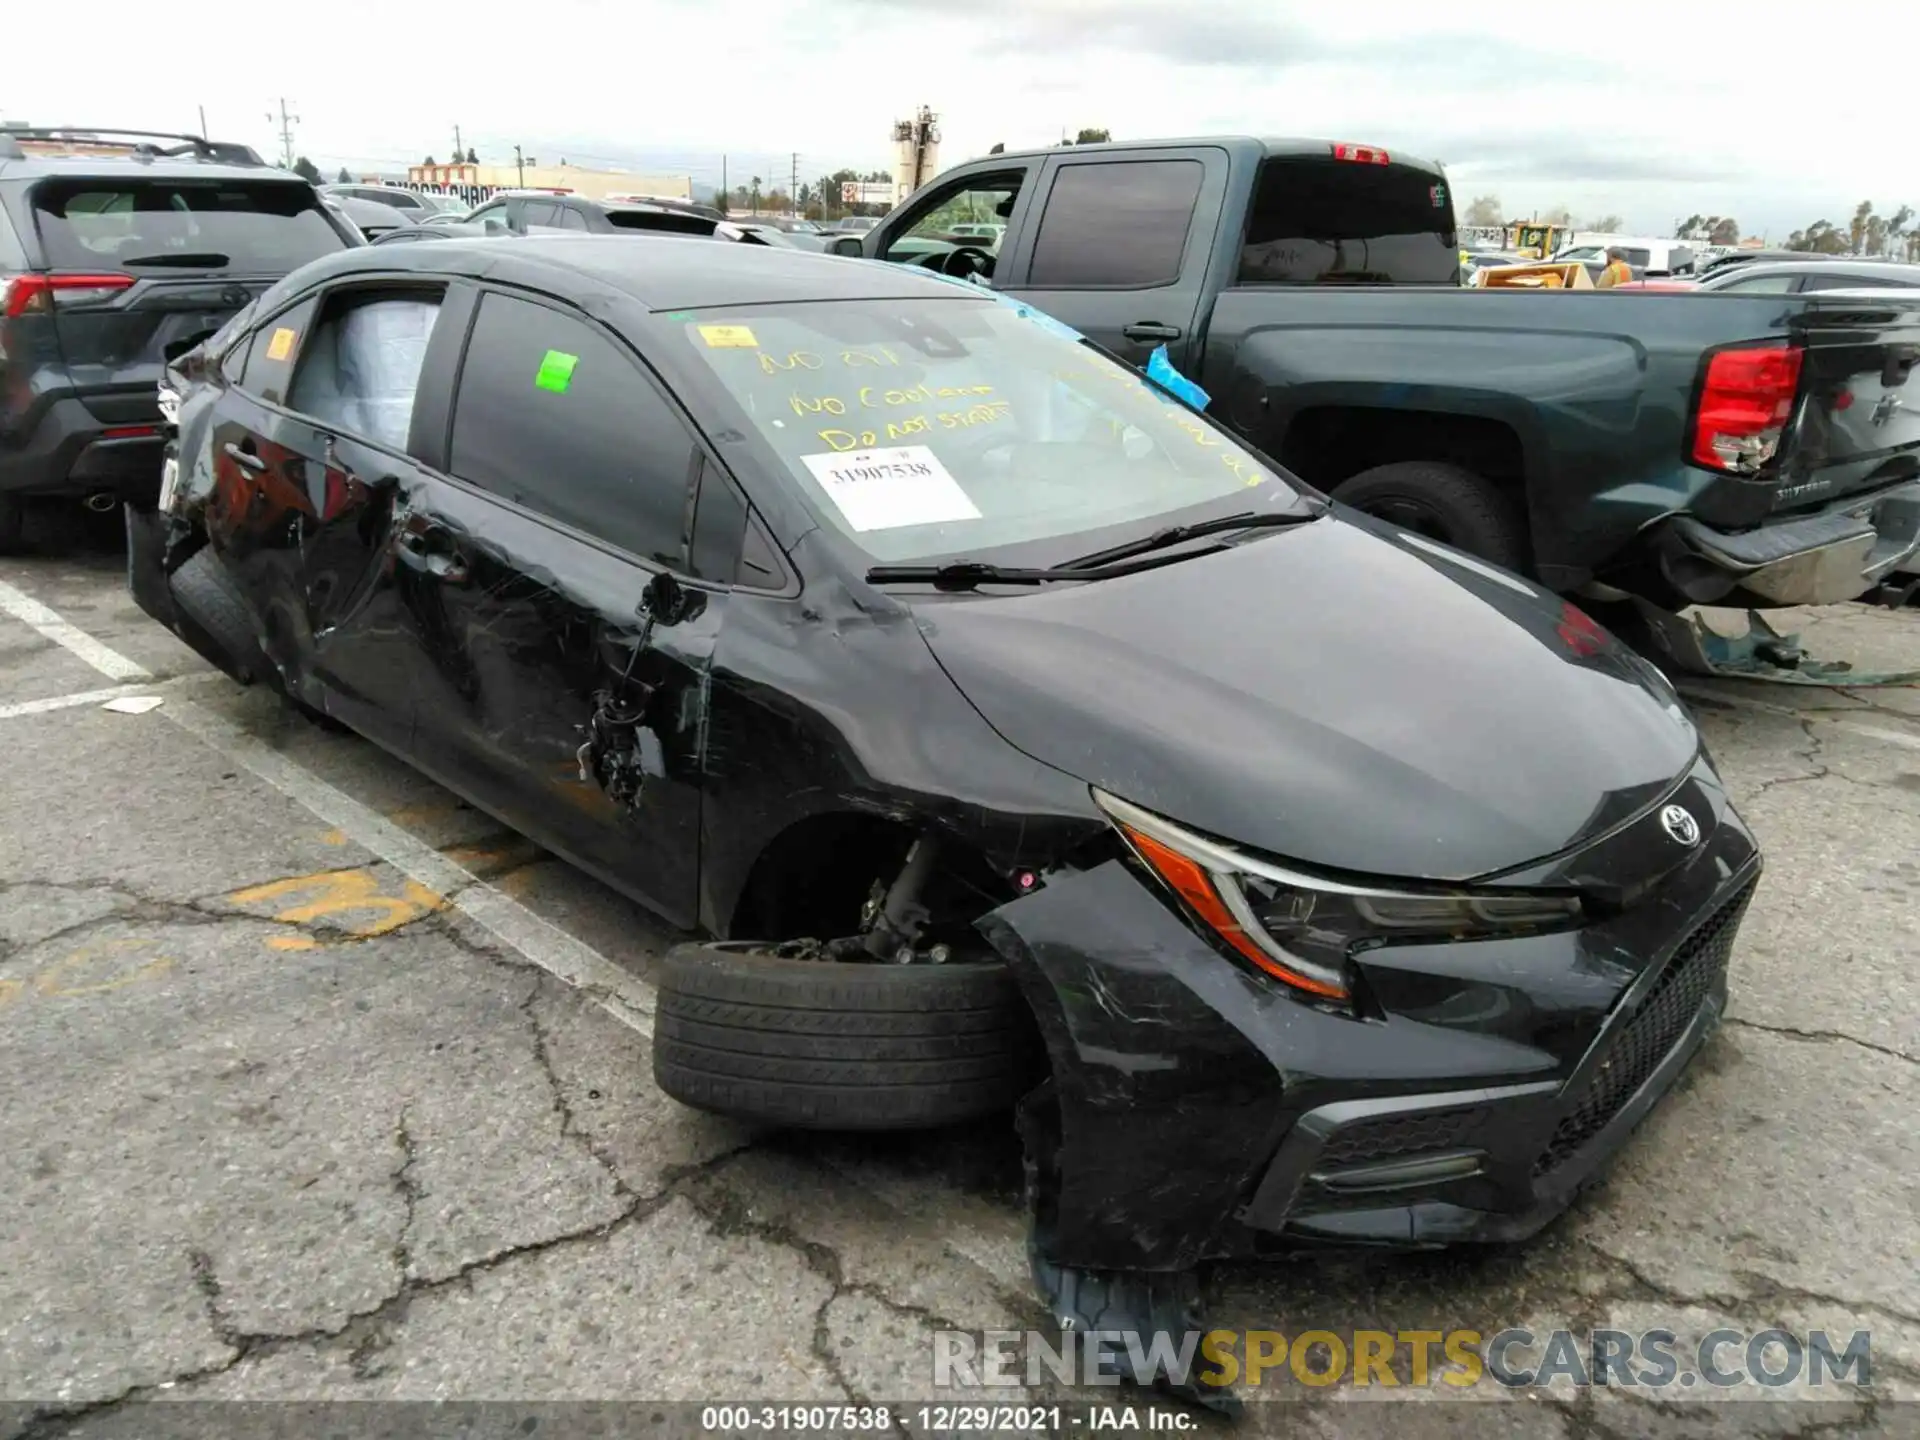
664	601
848	245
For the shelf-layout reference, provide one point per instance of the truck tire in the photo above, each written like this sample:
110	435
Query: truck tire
822	1045
1445	503
12	522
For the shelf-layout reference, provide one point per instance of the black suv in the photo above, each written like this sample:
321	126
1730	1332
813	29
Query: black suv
118	251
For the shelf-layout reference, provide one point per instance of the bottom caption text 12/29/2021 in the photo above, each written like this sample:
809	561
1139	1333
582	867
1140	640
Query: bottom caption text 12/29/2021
948	1419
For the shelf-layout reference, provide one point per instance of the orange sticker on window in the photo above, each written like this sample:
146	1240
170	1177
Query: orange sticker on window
281	345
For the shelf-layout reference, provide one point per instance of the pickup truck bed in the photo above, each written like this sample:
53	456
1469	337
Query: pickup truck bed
1683	448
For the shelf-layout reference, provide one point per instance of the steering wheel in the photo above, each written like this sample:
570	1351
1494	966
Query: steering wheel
978	262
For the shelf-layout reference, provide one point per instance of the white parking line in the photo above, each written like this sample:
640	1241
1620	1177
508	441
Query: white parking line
67	702
622	995
108	661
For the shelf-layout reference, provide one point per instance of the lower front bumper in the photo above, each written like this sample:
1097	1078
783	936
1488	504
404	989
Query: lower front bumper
1839	553
1498	1165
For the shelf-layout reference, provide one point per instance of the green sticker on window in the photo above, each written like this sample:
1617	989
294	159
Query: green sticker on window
556	371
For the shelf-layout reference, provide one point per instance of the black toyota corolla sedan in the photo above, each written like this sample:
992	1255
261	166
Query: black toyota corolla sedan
1020	735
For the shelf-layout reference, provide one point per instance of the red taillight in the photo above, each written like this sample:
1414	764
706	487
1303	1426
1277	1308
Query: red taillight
1744	407
1361	154
128	432
34	294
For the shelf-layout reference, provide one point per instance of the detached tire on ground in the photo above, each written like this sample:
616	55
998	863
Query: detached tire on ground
1445	503
820	1045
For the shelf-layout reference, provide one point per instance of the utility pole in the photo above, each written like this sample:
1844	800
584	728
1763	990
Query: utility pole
459	155
723	183
520	163
203	122
793	188
287	122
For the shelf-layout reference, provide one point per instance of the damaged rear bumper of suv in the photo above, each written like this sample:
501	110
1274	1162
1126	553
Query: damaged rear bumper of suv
1199	1112
1839	553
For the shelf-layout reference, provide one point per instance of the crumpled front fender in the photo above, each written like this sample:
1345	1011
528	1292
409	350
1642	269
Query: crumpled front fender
1167	1108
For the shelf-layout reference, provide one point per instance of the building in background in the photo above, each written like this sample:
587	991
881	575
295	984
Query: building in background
916	152
474	183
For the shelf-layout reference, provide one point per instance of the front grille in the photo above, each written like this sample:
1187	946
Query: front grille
1392	1136
1648	1036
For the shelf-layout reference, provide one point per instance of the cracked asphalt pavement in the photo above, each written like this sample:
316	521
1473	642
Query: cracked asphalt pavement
291	1116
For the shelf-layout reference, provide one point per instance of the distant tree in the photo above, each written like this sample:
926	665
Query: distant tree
343	178
1485	212
1857	227
472	159
1558	215
1725	231
1821	237
754	199
1093	137
999	148
428	161
720	201
1897	227
308	171
1607	225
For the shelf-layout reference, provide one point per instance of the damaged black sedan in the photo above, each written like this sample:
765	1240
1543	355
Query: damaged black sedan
1022	737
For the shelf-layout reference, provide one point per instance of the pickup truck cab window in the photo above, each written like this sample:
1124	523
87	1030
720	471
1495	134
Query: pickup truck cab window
929	238
1117	224
551	414
1315	222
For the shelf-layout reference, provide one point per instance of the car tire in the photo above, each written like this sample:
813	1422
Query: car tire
12	522
823	1045
1445	503
207	595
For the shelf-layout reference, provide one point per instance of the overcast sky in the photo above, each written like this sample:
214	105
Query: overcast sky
1625	107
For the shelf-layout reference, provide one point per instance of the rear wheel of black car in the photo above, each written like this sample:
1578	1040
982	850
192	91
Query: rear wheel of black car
206	593
823	1045
12	517
1445	503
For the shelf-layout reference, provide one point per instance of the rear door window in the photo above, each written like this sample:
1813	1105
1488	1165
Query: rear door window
1330	222
359	371
1857	282
262	226
554	416
1117	225
273	351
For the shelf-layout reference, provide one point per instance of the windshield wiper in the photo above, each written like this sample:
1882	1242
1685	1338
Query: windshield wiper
1174	534
971	574
197	259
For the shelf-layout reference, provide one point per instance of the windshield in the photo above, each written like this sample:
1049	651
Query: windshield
270	225
928	428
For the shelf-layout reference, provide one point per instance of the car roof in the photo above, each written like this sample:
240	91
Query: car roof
661	272
1856	265
136	167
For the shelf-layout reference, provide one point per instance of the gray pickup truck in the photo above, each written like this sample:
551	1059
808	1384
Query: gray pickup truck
1757	450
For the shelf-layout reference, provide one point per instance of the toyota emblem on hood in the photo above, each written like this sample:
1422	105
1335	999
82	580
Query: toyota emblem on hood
1678	822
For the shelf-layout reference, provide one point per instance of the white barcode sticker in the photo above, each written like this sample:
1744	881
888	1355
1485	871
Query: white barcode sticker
887	489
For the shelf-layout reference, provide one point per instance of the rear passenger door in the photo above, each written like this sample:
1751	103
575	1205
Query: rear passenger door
570	482
1121	247
313	455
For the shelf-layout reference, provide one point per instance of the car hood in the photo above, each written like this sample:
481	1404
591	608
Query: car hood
1335	694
